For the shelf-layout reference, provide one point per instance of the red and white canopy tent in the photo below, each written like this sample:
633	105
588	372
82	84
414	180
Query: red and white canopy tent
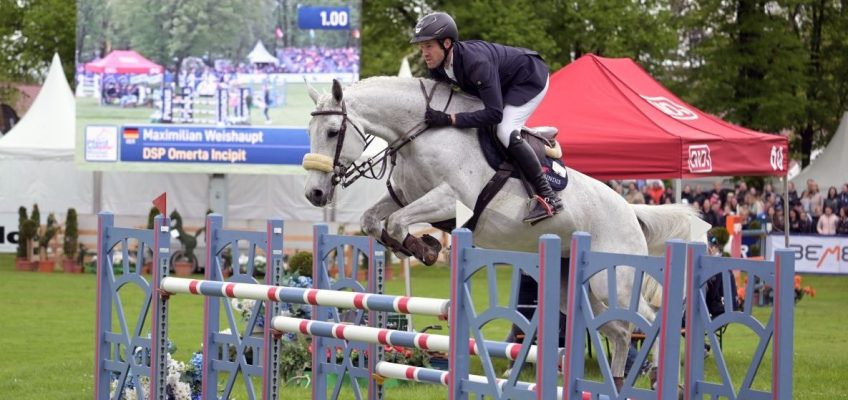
616	122
123	62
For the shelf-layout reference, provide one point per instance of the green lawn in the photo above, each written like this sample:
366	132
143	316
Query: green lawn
47	337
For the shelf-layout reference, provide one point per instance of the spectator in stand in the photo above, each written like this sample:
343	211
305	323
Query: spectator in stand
656	192
843	196
811	196
814	218
700	195
793	194
842	228
687	195
720	215
778	222
707	213
806	222
832	199
828	222
794	221
634	196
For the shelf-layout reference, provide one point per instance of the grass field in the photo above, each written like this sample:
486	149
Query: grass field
47	339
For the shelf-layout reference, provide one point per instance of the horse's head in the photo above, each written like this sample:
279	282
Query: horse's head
336	140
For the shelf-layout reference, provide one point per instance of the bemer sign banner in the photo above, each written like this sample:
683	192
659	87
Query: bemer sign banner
815	254
210	144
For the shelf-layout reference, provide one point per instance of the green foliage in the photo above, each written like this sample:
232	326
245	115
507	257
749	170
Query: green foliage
71	240
188	242
301	263
294	358
721	235
46	234
21	251
32	32
151	216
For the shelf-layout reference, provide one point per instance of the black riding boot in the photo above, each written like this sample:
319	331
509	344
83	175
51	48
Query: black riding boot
548	203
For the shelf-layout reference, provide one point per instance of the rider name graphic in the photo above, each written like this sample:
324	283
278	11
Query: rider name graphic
203	144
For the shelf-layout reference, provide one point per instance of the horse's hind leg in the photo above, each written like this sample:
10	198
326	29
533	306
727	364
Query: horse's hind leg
618	333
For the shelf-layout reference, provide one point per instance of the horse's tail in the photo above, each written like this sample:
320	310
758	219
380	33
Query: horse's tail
661	223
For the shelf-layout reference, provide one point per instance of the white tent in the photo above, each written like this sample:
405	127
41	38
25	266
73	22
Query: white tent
260	55
405	71
37	156
828	169
47	129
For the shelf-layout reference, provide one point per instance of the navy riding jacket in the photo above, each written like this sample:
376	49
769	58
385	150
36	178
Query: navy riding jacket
497	74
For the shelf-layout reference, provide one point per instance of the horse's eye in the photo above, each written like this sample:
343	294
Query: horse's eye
332	133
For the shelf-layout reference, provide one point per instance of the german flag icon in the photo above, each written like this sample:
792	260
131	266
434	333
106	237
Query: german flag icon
130	133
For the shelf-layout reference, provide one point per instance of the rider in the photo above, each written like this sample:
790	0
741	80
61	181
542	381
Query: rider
510	81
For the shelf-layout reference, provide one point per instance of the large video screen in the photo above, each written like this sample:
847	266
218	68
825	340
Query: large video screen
206	86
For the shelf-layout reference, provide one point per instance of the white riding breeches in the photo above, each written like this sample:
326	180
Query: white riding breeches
514	117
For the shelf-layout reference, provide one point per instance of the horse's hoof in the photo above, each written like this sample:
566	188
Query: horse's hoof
393	244
423	251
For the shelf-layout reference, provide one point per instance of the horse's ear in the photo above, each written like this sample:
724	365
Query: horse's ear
337	91
313	93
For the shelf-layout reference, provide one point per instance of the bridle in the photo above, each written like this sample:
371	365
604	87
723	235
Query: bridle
340	172
346	175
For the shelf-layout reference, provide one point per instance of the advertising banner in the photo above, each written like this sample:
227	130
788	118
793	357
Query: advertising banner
815	254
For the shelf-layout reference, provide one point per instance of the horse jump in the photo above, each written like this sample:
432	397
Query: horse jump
117	350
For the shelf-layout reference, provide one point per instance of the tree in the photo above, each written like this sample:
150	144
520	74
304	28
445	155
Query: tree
30	33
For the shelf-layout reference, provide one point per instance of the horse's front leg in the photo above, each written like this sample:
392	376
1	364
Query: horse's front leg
436	205
372	219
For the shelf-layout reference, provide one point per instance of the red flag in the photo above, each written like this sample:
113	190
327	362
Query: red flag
161	203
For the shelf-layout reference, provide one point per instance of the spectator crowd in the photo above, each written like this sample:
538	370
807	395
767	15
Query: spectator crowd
813	211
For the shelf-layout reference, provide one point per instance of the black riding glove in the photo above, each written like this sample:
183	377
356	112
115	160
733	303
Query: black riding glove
435	118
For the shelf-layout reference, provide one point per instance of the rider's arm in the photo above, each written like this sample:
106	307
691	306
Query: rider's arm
489	86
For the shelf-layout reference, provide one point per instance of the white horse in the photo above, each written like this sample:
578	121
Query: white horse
444	165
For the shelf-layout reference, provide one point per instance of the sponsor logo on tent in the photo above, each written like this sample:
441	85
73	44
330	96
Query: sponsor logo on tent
776	158
670	108
700	161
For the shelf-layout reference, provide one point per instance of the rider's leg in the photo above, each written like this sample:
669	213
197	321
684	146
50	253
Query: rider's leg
529	165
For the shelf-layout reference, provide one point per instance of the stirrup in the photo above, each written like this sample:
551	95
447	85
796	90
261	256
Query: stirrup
541	210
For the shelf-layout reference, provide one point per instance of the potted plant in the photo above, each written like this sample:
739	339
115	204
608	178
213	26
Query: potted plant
45	235
26	231
70	243
184	261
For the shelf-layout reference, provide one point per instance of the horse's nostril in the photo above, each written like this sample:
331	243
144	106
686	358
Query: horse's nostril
317	194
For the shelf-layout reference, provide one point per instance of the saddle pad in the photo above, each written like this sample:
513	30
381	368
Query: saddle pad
495	155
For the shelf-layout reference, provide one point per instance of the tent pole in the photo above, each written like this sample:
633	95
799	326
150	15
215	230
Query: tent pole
97	200
786	210
678	190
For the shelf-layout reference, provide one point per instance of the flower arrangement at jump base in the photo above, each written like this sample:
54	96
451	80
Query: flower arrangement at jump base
183	381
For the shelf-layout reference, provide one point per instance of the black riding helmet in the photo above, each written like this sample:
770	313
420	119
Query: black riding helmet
438	25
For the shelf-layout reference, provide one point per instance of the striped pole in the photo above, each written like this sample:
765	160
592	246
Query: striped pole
315	297
438	377
393	337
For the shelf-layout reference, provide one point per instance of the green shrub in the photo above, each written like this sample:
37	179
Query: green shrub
301	262
69	246
721	235
22	241
151	215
